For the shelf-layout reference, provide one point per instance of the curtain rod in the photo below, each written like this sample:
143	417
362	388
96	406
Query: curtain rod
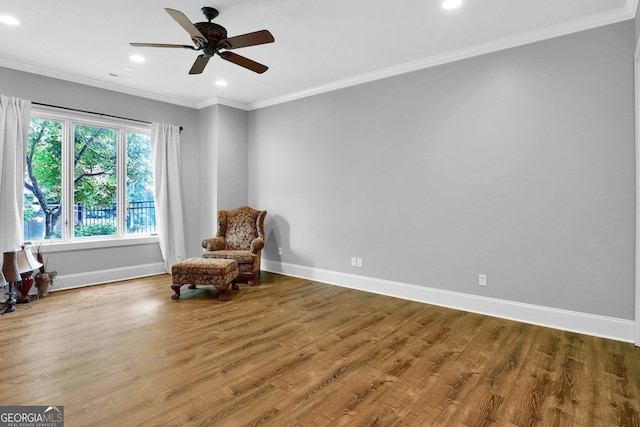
91	112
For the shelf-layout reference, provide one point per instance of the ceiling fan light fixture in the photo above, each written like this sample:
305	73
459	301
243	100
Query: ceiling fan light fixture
9	20
221	83
136	58
451	4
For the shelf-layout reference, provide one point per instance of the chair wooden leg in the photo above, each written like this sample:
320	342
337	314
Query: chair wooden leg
222	292
250	276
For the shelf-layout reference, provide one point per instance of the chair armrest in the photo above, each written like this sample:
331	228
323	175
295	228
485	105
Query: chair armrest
213	244
256	245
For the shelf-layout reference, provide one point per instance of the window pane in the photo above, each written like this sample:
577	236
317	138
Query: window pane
140	205
95	181
43	181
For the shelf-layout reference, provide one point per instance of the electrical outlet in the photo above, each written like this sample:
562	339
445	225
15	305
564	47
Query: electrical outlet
359	262
482	279
279	251
353	261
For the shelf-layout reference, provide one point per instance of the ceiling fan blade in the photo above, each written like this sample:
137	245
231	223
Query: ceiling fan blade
198	66
184	22
183	46
244	62
249	39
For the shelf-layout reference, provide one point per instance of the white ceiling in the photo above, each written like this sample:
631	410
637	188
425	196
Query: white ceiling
319	45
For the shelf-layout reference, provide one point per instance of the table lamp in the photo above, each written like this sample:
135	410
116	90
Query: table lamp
12	276
26	264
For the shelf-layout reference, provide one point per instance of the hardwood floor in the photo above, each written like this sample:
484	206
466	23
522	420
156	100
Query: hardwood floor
292	352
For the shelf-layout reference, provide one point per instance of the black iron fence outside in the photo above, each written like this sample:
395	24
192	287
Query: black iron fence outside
141	216
93	220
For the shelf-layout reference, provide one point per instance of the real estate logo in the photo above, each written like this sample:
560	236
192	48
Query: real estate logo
31	416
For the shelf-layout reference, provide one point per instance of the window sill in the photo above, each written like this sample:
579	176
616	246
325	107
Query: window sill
77	245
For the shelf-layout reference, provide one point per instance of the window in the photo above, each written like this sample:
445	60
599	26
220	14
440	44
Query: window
87	177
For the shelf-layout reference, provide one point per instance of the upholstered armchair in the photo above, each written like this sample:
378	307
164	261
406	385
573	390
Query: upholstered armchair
240	236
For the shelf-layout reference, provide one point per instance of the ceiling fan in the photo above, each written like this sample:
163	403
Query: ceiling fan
210	38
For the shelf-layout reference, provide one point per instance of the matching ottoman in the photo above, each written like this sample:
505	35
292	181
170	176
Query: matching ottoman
205	271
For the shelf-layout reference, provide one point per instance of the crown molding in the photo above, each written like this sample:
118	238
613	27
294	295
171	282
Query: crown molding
217	100
61	75
612	17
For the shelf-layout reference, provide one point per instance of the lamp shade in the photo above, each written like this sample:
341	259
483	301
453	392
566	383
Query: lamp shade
10	267
26	261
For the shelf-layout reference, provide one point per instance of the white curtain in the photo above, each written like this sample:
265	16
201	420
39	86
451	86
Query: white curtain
165	147
14	134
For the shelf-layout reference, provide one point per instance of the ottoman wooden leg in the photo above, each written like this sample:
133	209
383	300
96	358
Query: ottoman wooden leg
234	285
176	289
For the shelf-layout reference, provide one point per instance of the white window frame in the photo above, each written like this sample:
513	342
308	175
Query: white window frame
69	119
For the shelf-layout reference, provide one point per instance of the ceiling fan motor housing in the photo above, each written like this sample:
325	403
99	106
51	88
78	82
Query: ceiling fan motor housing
211	31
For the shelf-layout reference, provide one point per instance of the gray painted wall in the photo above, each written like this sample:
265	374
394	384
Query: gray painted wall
224	158
517	164
637	24
208	179
66	94
233	158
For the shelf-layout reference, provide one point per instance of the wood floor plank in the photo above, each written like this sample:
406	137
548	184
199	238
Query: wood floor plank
295	352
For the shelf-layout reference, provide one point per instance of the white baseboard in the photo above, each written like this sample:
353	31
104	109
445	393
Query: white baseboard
590	324
70	281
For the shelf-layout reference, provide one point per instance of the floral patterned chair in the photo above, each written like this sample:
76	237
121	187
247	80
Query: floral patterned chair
240	237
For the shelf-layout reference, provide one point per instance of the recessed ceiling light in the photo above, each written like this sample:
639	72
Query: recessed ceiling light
136	58
451	4
221	83
9	20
